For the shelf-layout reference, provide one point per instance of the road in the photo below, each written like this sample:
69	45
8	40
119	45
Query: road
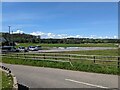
40	77
61	49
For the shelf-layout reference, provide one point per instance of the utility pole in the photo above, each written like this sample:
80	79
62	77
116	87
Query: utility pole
9	35
39	39
12	39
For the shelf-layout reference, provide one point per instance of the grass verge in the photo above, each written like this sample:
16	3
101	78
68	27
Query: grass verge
110	52
7	81
69	45
82	65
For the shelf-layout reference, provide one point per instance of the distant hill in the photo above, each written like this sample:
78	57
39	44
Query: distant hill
21	38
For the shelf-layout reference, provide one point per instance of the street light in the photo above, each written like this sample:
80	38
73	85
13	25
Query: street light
12	39
9	29
9	34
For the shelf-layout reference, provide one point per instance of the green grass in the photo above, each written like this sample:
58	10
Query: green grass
110	52
7	81
81	65
78	65
69	45
0	79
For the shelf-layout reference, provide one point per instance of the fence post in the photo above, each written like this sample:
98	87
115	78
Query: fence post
24	55
44	56
118	62
70	61
55	57
8	55
17	56
69	58
94	58
34	56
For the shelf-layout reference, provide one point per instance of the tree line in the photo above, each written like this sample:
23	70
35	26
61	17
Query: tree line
26	38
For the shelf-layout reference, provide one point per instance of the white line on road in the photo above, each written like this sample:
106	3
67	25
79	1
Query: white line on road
86	83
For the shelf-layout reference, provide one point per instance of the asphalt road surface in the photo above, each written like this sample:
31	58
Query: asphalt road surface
61	49
40	77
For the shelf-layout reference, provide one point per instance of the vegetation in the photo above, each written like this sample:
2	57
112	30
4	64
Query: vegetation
7	81
27	38
81	65
0	79
110	52
69	45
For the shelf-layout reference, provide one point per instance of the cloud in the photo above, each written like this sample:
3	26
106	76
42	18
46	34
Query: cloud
49	35
52	35
115	37
18	31
37	33
60	36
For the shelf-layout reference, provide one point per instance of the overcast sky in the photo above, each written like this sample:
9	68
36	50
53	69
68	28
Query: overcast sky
62	19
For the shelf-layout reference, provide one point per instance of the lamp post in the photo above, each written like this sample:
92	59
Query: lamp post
12	39
39	38
9	35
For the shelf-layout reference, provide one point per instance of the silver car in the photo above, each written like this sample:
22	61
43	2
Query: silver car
22	49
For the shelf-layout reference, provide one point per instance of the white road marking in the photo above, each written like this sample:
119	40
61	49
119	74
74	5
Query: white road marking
86	83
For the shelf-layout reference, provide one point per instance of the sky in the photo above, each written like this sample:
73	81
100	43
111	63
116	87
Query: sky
62	19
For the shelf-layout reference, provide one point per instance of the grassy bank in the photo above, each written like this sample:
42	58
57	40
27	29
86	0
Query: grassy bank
110	52
81	65
69	45
78	65
7	81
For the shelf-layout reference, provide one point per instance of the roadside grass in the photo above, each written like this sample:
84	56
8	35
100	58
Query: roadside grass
78	65
109	52
69	45
81	65
0	79
7	81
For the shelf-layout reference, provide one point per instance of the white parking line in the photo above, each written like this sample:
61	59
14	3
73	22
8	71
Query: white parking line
88	84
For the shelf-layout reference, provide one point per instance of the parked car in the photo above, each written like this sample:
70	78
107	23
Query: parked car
9	49
32	48
22	49
38	47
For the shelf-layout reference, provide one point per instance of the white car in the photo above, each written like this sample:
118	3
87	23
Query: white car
32	48
22	49
38	47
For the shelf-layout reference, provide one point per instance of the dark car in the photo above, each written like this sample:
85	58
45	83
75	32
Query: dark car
9	49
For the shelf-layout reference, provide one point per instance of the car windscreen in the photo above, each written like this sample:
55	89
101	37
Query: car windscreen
32	47
22	47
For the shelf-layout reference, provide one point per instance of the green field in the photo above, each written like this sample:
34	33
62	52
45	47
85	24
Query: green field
110	52
7	81
69	45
